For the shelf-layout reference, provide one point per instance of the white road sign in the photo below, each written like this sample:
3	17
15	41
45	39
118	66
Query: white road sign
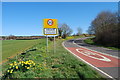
49	31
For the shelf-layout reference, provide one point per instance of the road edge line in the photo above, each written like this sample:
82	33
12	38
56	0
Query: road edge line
87	62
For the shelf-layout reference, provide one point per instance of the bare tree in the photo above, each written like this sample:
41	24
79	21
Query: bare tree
105	28
65	30
90	30
79	31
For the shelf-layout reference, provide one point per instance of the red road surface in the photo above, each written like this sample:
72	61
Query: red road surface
96	62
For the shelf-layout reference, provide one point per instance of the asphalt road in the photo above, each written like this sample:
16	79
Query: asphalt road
105	61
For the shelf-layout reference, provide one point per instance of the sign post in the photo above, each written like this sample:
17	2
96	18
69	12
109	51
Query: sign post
54	44
50	27
46	43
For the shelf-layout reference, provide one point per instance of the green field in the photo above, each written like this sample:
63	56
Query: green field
60	64
14	47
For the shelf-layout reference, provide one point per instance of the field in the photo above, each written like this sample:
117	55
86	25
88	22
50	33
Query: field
60	64
14	47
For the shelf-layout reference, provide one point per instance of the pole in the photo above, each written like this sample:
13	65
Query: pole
46	43
54	44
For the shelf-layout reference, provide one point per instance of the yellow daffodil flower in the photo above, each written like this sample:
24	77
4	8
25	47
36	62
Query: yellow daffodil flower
33	63
8	71
16	67
12	70
11	64
22	62
14	62
28	67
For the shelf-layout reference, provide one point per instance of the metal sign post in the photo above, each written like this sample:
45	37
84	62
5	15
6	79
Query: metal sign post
46	43
54	45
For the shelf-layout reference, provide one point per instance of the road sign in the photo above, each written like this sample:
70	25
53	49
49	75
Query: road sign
50	26
50	23
50	31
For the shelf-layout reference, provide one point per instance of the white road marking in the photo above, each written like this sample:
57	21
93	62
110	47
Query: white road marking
96	51
89	54
88	63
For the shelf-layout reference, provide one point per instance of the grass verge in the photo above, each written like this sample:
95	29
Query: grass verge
60	64
91	42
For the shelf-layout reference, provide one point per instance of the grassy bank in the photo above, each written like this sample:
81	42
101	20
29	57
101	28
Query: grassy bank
60	64
91	42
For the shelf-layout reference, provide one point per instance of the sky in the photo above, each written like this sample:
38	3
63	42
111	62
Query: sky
26	18
60	0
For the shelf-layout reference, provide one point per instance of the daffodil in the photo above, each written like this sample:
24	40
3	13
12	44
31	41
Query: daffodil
28	67
11	64
11	71
14	62
16	67
20	62
8	71
26	62
33	63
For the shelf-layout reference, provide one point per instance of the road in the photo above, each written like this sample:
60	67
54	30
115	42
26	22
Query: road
104	60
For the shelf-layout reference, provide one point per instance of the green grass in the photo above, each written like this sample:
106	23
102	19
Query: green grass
13	47
60	64
91	42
